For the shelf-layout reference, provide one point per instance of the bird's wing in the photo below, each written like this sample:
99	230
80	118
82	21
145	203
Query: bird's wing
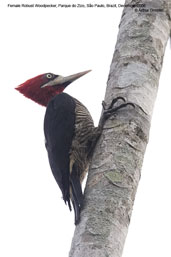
59	130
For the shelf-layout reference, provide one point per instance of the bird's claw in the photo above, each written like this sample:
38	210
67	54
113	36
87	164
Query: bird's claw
111	110
115	100
104	105
114	110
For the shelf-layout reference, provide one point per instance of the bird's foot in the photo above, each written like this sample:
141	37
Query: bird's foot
115	100
111	110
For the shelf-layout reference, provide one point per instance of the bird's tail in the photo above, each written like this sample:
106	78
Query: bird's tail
76	195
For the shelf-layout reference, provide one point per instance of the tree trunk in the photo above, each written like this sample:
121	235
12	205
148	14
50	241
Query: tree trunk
116	164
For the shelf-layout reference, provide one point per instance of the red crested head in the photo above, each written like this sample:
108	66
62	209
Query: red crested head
36	88
43	88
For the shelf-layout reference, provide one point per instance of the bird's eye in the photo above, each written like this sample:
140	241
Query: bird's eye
49	76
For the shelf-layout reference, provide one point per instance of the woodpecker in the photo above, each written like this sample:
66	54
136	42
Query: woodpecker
70	134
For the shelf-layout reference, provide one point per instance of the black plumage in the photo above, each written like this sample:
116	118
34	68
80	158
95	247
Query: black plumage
69	131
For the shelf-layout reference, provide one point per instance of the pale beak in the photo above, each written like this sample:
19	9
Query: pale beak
65	81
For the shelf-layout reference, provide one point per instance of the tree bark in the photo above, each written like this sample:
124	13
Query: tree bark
116	164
